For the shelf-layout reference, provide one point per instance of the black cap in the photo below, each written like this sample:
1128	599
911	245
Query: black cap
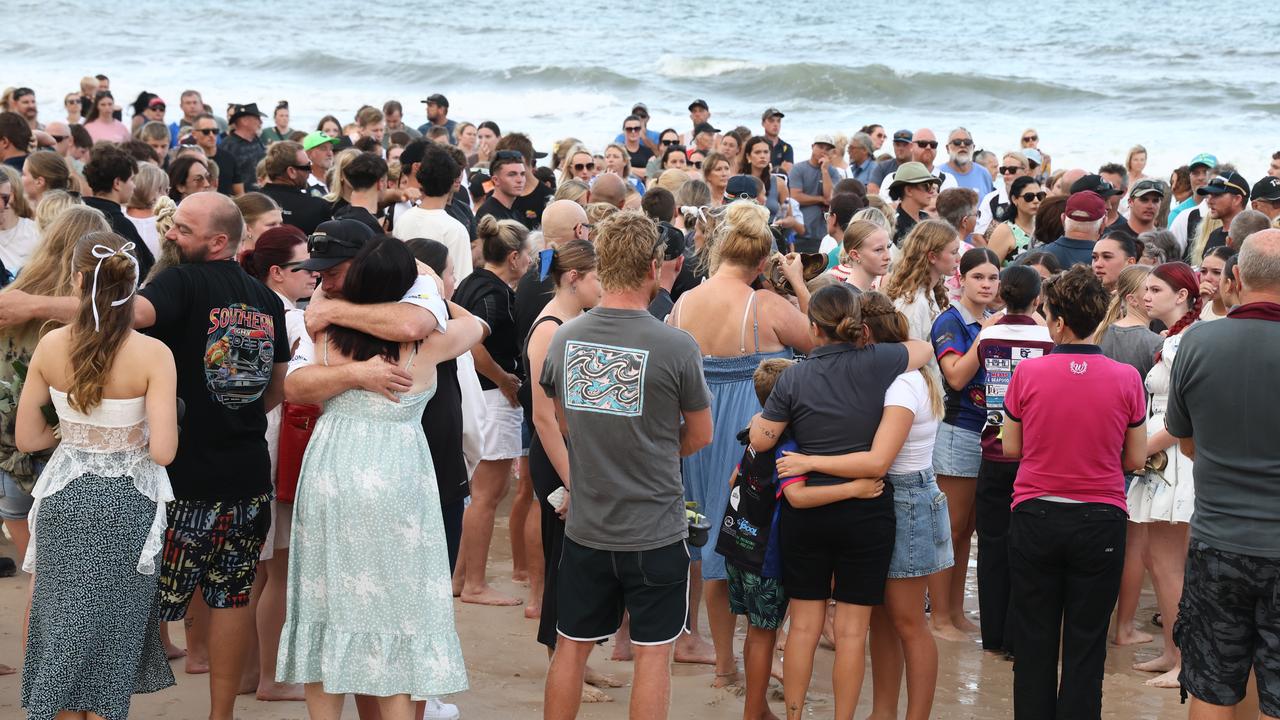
436	99
335	242
1268	188
674	239
239	111
1226	183
704	127
741	187
698	103
1094	183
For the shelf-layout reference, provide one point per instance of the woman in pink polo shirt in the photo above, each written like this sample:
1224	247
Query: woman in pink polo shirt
1067	532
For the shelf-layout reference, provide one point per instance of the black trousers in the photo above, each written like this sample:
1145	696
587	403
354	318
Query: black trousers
1065	562
993	495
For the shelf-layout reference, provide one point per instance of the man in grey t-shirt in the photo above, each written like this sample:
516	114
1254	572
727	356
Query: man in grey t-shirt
623	382
811	184
1224	405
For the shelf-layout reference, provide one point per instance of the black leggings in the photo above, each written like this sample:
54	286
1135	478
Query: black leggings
545	481
452	514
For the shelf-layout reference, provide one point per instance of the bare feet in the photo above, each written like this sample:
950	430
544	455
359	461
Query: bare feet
1162	664
249	683
949	633
489	596
694	649
828	640
776	671
195	665
621	651
601	680
271	692
1167	680
1130	636
6	670
964	624
594	695
532	612
727	680
171	651
520	577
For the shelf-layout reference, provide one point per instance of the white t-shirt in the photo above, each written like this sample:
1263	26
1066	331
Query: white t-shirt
910	391
17	243
439	226
149	233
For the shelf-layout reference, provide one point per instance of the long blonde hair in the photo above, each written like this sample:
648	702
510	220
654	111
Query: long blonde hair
1131	280
887	325
912	273
336	177
50	271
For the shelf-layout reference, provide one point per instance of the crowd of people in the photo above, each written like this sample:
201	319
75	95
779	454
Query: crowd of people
276	384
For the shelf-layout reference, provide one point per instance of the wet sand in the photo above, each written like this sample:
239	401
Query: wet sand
507	667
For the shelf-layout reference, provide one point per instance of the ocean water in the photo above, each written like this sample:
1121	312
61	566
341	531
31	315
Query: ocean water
1093	79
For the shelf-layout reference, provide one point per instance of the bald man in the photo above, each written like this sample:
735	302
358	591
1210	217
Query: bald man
562	221
1069	178
61	135
609	188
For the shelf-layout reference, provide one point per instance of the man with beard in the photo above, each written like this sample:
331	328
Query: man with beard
319	150
23	102
1228	195
1144	202
244	146
924	150
967	173
226	331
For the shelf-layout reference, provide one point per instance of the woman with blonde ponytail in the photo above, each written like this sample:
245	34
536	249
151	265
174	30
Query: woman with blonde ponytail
736	327
98	522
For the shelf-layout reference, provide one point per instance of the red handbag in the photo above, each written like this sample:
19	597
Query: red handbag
297	422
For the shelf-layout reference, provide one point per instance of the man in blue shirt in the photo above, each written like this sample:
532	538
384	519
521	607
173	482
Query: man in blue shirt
1081	226
648	137
438	115
862	161
967	173
811	184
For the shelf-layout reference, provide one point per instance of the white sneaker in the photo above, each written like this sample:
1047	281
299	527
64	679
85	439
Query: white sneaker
437	710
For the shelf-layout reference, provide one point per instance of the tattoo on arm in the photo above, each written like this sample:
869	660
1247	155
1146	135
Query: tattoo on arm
769	433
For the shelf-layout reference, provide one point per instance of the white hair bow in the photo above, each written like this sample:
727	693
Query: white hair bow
102	252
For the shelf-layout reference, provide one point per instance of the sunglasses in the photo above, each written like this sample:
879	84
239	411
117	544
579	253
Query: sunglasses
1031	138
1010	169
72	101
207	131
632	128
59	138
161	108
1031	196
306	168
930	144
961	142
669	143
320	243
579	167
696	163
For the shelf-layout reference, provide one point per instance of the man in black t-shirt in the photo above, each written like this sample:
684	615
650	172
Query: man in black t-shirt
109	175
287	170
509	174
529	204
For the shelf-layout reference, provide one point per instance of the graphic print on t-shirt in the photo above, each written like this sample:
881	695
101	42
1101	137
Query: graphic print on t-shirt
604	378
239	354
999	362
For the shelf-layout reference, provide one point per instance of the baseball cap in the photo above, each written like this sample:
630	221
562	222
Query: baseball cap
1033	156
1204	159
699	103
1228	183
772	112
1086	206
741	187
1096	184
1146	187
335	242
903	136
1268	188
239	111
157	102
704	127
436	99
673	239
644	109
824	139
316	139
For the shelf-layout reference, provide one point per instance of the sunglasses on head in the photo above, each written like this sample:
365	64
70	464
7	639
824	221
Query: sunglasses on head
579	167
962	142
320	243
1031	138
1010	169
1031	196
930	144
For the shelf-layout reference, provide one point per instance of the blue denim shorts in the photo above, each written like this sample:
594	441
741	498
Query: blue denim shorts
15	502
957	452
922	542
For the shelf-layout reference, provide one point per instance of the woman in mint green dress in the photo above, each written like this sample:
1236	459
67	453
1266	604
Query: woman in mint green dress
370	607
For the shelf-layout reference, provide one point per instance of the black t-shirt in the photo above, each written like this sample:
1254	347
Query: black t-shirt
125	228
640	158
459	209
227	334
299	208
360	215
532	295
904	224
226	172
486	296
1217	238
529	207
491	206
442	423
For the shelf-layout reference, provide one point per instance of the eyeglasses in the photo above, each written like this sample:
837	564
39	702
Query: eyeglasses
1031	138
669	143
1010	169
930	144
1032	196
207	131
579	167
632	128
962	142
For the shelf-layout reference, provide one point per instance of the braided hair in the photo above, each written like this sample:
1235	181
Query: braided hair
1180	276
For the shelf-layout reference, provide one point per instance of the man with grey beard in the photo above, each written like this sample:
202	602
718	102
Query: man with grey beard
968	174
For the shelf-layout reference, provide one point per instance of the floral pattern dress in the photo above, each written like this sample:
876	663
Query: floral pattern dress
370	602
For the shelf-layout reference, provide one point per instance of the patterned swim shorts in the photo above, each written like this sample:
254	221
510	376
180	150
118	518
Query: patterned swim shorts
214	545
761	599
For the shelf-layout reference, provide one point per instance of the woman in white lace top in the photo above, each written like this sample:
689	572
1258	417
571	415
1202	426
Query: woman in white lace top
97	525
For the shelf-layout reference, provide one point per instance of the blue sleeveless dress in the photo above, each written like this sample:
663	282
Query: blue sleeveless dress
733	403
370	603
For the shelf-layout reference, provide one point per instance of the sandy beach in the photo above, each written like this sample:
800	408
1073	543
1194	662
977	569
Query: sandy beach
507	667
